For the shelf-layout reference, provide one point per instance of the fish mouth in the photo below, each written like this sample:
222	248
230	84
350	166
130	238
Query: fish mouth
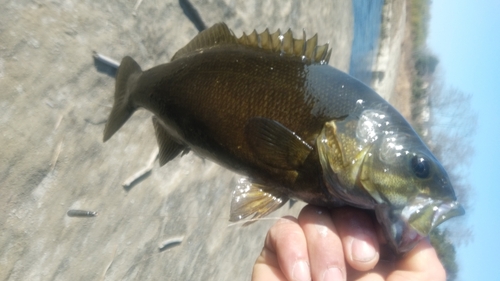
447	211
426	217
406	227
424	214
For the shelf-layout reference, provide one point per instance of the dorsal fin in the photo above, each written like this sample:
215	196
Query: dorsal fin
218	34
286	45
277	42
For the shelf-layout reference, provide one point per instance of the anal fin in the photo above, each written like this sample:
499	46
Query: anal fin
250	199
168	147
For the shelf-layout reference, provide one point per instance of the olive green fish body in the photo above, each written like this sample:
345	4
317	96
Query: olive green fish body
210	98
268	106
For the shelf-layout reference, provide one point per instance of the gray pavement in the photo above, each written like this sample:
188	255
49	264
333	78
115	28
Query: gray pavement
53	106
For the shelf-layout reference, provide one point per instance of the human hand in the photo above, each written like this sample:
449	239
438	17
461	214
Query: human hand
339	244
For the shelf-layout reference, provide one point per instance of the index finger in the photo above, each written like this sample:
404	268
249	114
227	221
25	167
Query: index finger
323	243
284	256
359	237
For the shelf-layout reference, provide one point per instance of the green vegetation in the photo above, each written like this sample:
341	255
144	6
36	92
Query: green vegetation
446	252
443	118
419	18
425	63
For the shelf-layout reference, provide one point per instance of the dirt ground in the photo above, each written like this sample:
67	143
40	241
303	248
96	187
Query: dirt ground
53	106
401	93
390	47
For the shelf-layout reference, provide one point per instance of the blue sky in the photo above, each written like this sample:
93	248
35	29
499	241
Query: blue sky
465	35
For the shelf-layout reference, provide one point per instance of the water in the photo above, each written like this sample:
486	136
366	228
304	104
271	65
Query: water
367	20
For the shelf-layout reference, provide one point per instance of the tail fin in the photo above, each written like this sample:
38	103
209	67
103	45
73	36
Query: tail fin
126	80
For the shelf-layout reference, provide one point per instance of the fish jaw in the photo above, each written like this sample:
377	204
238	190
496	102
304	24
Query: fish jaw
424	214
405	228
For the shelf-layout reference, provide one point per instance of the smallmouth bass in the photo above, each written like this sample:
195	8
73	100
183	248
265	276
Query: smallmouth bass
269	107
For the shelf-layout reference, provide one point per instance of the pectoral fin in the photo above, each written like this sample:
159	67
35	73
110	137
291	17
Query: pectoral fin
275	144
168	148
250	198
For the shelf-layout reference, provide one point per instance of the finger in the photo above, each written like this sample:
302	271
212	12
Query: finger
267	267
421	263
379	273
284	256
359	237
326	255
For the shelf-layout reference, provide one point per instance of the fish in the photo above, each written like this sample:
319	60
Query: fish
269	107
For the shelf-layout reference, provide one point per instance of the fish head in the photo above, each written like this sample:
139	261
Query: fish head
389	169
412	189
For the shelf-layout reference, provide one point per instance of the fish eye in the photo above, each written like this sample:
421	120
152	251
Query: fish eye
420	166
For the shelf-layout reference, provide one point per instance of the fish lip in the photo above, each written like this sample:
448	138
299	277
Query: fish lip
446	211
400	229
442	210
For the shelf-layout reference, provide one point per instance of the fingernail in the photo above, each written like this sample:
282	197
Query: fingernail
333	273
301	271
362	248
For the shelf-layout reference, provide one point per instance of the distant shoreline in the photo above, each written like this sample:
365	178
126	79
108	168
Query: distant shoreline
386	65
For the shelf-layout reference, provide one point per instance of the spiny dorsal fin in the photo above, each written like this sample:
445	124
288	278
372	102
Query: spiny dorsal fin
218	34
283	44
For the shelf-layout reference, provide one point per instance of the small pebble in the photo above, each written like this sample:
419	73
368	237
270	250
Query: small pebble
169	243
81	213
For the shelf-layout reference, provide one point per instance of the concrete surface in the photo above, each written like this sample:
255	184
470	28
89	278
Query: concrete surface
53	106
